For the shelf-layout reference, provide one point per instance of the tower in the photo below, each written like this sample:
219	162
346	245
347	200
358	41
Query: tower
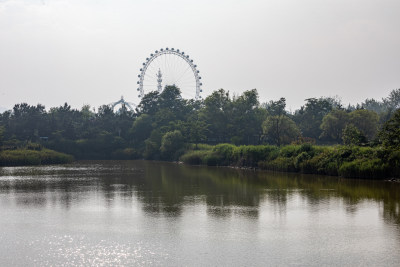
159	80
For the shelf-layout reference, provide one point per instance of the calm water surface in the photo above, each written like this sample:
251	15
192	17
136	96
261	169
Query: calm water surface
153	213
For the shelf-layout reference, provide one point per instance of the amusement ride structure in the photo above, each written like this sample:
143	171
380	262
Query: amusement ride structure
129	105
165	67
170	66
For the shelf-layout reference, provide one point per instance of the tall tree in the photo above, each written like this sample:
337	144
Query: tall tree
374	105
333	124
276	108
280	130
247	117
28	122
309	117
141	128
171	143
389	135
393	100
366	121
2	130
216	113
353	136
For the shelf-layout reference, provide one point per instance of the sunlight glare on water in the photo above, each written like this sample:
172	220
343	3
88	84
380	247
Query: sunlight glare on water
139	213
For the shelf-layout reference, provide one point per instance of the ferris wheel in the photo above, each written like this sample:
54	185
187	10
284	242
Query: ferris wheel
170	66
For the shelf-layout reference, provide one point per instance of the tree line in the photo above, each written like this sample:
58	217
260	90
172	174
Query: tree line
164	123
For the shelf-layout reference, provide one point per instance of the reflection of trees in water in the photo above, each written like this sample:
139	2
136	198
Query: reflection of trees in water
391	212
158	193
165	188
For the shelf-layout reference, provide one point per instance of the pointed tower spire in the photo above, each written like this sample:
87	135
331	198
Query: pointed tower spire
159	80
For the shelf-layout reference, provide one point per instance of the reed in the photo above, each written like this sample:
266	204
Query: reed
345	161
22	157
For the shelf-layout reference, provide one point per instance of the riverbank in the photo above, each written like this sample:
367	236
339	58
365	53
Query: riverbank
344	161
24	157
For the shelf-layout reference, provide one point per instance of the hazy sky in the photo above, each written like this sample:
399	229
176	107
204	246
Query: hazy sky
90	51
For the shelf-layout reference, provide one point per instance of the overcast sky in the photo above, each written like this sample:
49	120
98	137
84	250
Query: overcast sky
90	51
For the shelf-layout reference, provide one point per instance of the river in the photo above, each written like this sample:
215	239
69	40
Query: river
135	213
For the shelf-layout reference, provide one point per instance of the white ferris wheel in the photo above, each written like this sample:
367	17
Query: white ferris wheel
170	66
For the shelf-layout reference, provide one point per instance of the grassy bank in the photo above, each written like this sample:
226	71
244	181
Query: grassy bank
22	157
345	161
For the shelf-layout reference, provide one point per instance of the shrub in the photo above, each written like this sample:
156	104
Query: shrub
212	159
225	150
33	157
289	151
196	157
303	156
306	147
204	147
351	135
365	168
127	153
278	164
171	145
347	161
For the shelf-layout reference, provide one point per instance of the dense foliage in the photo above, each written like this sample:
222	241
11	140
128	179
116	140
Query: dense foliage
164	125
32	155
346	161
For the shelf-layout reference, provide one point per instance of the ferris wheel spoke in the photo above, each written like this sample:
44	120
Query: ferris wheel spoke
152	67
183	74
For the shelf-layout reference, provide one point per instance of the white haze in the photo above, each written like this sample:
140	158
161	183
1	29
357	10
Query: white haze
89	52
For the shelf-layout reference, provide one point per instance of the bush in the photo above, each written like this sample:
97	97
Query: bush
365	168
249	156
32	157
278	164
306	147
212	159
201	147
171	145
125	154
196	157
302	157
347	161
351	135
289	151
225	151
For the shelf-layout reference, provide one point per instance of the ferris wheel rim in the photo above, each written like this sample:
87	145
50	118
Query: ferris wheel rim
167	51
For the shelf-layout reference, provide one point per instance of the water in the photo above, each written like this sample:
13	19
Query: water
151	213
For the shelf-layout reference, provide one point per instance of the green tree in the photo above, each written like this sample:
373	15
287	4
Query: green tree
2	130
149	104
105	118
171	98
365	121
391	104
276	108
353	136
393	100
246	117
63	122
333	124
171	143
27	122
216	113
197	131
374	105
309	117
280	130
141	128
389	135
152	145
